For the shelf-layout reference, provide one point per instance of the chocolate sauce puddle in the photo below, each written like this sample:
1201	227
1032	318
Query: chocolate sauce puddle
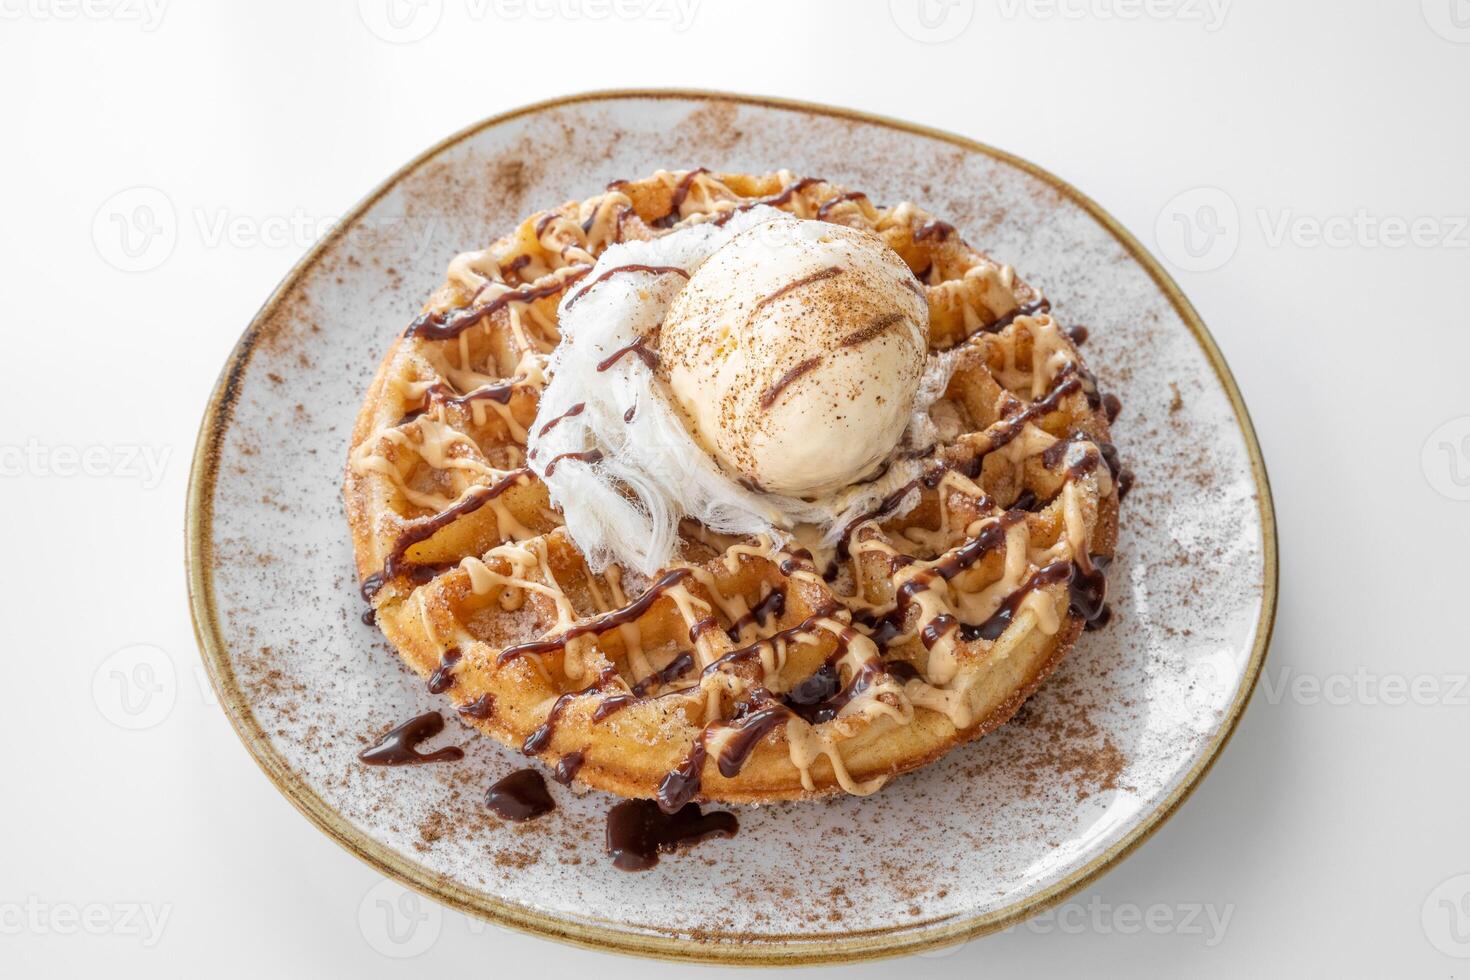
638	831
520	796
399	746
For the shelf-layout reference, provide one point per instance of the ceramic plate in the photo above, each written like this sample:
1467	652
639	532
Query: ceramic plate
993	833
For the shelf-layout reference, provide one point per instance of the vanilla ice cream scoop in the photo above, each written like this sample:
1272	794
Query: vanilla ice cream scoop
794	353
755	374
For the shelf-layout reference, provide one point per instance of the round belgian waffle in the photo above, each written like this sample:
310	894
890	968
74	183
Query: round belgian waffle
745	671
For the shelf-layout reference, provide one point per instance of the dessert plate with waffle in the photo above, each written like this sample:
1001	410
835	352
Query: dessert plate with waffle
768	533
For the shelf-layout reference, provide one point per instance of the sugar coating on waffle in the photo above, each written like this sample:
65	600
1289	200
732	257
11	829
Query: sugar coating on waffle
751	666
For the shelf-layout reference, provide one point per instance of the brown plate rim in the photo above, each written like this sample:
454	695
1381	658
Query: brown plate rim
726	950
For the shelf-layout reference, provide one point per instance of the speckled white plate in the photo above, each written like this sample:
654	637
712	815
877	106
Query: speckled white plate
991	834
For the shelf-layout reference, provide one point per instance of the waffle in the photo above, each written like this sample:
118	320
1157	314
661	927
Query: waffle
751	669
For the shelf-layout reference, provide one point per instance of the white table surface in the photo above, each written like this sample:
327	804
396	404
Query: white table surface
137	838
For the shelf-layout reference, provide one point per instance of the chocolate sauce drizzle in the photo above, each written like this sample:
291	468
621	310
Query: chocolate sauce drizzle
831	203
638	347
588	456
934	229
420	532
771	394
774	604
445	395
1053	574
567	767
676	200
539	739
1041	305
874	329
481	708
572	412
681	784
369	588
672	671
776	200
638	831
746	733
449	324
442	679
520	796
658	270
807	697
599	625
820	275
399	746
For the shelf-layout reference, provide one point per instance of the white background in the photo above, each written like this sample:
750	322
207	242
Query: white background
1328	838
